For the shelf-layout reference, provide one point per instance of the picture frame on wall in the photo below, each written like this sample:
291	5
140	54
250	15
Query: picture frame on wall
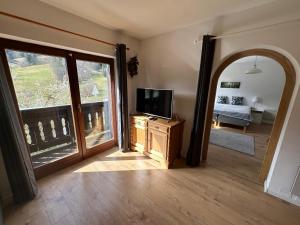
225	84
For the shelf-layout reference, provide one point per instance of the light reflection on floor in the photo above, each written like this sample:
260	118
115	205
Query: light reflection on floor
115	160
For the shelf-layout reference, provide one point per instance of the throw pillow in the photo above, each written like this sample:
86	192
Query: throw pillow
222	99
236	100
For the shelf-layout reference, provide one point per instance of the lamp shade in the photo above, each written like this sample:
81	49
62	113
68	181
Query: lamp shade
255	99
254	69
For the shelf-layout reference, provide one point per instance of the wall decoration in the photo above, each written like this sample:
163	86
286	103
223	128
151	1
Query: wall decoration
230	84
132	66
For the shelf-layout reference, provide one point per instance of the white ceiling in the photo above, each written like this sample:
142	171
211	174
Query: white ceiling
147	18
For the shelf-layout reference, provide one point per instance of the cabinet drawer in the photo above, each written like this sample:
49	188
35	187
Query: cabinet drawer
138	122
158	127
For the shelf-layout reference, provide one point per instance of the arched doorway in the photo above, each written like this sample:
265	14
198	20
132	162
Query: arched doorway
282	110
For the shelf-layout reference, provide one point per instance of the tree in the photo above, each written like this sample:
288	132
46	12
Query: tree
31	59
58	67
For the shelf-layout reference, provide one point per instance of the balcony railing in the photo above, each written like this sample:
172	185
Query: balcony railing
52	128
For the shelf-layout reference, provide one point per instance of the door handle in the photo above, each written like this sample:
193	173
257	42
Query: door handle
79	108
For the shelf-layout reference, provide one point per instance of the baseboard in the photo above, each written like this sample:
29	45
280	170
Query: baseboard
288	197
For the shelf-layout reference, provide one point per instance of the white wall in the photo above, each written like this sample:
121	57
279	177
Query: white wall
267	86
172	61
36	10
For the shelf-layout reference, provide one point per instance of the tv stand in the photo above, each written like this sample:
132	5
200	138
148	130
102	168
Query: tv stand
152	118
155	118
160	139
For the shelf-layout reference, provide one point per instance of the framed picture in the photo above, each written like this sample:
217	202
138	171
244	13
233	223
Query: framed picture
230	84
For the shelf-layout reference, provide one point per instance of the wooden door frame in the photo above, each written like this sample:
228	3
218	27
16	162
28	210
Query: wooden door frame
73	79
289	86
98	59
29	47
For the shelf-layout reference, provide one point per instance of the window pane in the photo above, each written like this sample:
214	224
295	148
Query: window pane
94	85
41	84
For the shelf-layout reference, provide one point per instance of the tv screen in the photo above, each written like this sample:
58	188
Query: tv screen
155	102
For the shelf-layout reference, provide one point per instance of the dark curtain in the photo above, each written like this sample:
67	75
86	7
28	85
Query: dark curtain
13	146
123	97
1	212
195	147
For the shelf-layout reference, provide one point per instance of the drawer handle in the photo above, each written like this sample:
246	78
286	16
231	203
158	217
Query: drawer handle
156	127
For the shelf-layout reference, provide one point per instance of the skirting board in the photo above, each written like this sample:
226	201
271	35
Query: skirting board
288	197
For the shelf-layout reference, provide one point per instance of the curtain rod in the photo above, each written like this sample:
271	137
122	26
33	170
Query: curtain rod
256	28
57	28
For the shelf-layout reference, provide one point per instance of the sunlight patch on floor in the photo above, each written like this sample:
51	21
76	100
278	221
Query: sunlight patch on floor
119	161
217	127
106	166
118	153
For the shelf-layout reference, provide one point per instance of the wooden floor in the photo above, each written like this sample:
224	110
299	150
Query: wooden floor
129	188
237	163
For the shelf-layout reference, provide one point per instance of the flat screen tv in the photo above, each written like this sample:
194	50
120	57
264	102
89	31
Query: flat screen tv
156	102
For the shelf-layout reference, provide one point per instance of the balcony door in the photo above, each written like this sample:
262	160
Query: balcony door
96	101
65	101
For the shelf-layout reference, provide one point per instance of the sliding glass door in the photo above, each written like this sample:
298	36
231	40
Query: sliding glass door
65	100
96	96
42	87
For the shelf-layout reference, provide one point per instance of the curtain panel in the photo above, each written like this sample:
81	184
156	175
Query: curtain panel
1	212
123	117
195	147
13	146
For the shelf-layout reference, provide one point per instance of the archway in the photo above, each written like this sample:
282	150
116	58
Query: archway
282	110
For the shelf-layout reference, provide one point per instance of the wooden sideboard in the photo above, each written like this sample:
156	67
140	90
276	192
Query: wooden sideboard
159	139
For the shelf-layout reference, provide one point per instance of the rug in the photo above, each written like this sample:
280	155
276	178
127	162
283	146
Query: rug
230	140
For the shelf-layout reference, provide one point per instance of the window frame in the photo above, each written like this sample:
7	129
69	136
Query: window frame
70	57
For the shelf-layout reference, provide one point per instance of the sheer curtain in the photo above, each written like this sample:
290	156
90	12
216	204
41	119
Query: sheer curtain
13	146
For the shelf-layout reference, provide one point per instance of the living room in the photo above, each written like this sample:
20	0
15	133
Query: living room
183	184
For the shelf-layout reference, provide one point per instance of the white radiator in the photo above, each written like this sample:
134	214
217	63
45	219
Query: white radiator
296	185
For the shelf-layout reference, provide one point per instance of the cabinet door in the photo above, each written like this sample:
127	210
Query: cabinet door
157	143
138	137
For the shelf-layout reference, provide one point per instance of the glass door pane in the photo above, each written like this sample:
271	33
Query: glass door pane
95	96
41	85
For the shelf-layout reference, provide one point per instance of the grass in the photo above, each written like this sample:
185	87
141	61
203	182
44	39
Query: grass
101	82
28	77
37	86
